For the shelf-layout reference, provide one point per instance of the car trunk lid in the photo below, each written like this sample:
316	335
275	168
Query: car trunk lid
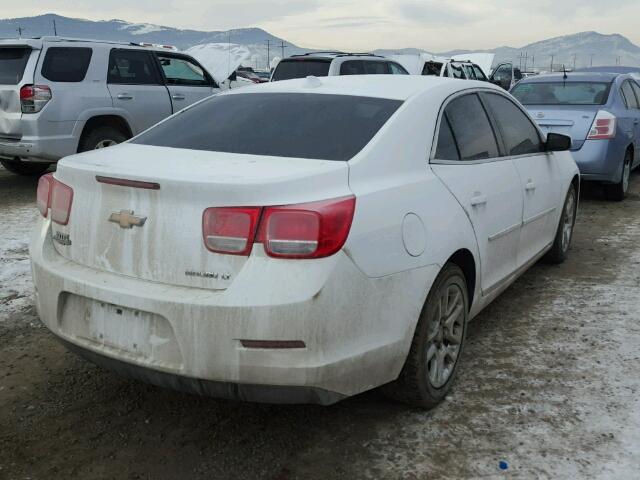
16	62
168	247
571	120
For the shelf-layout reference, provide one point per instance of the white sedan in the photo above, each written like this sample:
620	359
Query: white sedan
302	241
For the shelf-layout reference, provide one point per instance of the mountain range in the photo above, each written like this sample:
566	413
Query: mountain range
579	50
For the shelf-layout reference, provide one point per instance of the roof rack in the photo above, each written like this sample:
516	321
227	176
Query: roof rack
338	54
331	52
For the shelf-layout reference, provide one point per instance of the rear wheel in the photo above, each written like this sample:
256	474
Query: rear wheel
618	191
30	169
560	248
101	137
431	366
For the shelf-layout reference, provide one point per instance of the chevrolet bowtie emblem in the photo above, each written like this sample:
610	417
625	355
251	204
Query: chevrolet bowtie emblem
126	219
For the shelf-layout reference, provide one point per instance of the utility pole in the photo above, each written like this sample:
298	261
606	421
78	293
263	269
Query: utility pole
19	29
575	55
533	62
268	54
592	55
282	47
552	57
55	31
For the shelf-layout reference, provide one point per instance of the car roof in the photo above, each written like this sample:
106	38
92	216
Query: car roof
572	77
37	42
396	87
330	55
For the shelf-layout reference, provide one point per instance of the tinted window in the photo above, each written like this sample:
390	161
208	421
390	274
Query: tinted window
432	68
375	68
562	93
636	89
397	69
503	72
66	64
132	67
479	73
301	68
629	96
180	71
303	125
447	148
352	67
471	128
518	133
12	64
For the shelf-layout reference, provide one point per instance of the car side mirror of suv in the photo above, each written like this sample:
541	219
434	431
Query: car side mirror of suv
557	142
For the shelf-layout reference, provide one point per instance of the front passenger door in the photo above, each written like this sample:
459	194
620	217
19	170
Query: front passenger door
186	80
487	187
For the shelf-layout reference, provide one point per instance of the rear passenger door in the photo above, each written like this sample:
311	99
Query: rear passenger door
538	174
186	80
467	160
136	86
634	111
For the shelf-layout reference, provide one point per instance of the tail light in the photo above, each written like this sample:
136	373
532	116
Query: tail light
603	127
33	98
61	200
308	230
44	193
230	229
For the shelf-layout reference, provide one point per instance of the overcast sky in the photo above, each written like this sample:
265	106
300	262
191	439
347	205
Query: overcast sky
367	24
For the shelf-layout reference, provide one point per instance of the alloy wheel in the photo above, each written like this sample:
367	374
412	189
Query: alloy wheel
105	143
445	332
568	219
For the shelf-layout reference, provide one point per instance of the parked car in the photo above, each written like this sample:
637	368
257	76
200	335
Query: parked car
506	75
249	74
323	64
601	113
338	241
60	96
470	66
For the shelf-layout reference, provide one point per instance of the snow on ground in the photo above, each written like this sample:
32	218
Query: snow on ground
221	59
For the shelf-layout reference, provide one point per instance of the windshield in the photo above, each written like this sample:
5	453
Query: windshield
562	93
298	125
301	68
13	61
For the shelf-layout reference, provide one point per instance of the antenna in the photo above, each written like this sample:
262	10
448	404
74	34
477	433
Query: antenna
19	29
564	72
229	50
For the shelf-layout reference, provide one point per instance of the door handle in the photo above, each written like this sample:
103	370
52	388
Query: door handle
125	96
636	121
478	200
177	96
530	186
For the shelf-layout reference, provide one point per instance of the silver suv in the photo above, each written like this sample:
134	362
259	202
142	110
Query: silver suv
61	96
327	64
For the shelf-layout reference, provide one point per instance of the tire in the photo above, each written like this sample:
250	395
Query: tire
101	137
29	169
562	241
618	191
419	383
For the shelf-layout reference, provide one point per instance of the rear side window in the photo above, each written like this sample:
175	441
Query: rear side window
636	89
376	68
66	64
352	67
13	61
298	125
301	68
628	95
447	148
397	69
479	73
471	128
518	133
132	67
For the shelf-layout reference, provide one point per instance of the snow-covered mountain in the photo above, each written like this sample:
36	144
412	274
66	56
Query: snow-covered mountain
585	49
254	39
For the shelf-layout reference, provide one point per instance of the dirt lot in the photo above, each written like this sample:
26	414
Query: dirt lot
550	384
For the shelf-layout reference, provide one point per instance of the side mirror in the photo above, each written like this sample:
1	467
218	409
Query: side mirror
557	142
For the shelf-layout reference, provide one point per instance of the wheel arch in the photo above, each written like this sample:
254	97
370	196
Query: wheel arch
464	259
113	121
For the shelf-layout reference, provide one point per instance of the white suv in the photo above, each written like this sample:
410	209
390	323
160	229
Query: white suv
329	64
62	96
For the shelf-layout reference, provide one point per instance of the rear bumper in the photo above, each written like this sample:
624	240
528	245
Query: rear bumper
34	146
357	333
600	160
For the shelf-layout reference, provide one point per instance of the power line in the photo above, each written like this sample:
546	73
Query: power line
268	54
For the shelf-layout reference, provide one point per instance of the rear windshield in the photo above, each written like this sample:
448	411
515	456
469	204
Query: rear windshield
562	93
13	60
288	69
300	125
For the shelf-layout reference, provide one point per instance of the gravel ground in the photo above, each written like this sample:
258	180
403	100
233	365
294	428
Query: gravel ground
549	384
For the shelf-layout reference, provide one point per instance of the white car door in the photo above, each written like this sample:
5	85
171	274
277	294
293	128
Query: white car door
538	171
467	160
186	80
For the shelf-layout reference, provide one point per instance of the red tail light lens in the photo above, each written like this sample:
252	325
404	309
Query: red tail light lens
43	196
603	127
310	230
33	98
230	230
61	200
